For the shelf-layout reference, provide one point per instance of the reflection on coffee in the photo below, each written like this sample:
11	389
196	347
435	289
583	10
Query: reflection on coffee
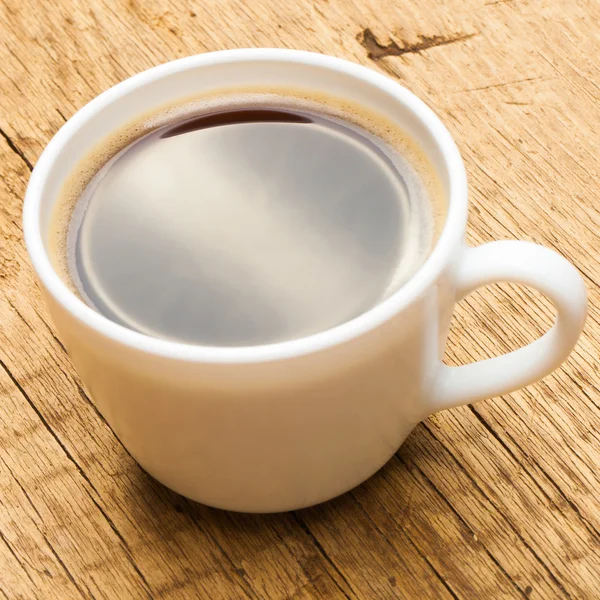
248	224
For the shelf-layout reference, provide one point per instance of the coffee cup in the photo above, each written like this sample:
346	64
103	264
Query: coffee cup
290	424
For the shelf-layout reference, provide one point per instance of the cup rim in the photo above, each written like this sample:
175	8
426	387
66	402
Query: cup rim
451	235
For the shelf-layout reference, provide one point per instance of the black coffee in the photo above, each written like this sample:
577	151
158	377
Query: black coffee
248	226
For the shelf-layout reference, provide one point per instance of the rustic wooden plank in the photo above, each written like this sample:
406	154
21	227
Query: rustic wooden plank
498	499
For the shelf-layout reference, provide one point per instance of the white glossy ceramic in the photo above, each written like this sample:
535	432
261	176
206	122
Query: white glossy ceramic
291	424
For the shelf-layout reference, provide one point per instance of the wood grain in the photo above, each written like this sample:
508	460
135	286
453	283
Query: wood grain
497	500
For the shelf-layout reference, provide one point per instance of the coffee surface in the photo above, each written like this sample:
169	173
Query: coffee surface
247	226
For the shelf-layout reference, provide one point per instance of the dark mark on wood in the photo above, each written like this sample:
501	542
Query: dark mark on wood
15	555
17	58
501	84
377	50
16	149
89	401
416	548
323	553
51	331
497	508
84	396
35	510
82	393
587	524
46	424
312	576
83	475
68	573
580	387
19	314
83	77
463	522
61	563
244	584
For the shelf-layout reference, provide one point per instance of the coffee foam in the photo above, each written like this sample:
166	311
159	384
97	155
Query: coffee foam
426	191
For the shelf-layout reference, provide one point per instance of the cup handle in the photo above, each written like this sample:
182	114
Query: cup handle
531	265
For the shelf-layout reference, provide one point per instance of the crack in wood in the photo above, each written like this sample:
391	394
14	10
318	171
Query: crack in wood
311	578
82	393
60	561
502	84
45	538
15	555
515	530
24	491
84	396
85	477
46	424
376	50
245	585
586	523
50	330
437	574
16	149
19	314
304	527
462	521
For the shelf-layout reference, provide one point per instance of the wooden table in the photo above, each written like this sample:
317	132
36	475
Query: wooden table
497	500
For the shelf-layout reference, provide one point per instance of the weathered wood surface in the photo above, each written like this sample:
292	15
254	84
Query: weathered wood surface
498	500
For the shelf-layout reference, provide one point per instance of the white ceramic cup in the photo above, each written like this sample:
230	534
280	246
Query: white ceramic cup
291	424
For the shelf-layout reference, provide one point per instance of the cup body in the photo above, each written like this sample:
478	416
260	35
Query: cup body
274	427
